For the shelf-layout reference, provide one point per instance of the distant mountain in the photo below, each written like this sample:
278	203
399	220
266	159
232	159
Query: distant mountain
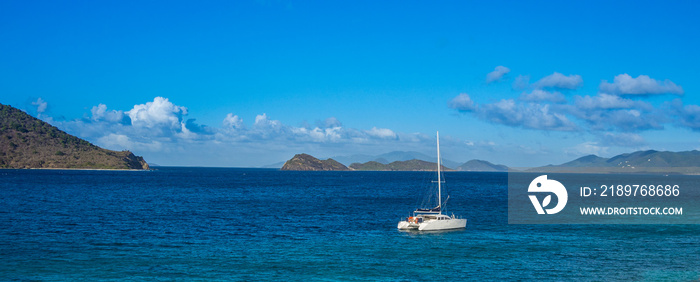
405	156
481	165
650	161
586	161
308	162
357	158
27	142
382	161
392	157
410	165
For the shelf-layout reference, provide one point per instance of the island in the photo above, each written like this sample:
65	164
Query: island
28	142
649	161
482	166
305	162
410	165
645	162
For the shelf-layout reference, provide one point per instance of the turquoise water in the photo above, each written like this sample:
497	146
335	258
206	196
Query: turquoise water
254	224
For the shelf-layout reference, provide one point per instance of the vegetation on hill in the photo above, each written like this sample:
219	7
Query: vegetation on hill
308	162
392	157
481	165
27	142
371	165
410	165
650	161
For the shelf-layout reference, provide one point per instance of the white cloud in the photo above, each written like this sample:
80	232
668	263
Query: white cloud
266	136
480	145
159	113
332	122
605	101
497	74
611	112
609	102
100	112
626	120
543	108
382	133
415	137
334	134
123	142
530	115
623	139
624	84
266	128
462	103
539	95
588	148
558	80
159	131
232	121
687	115
186	133
41	105
262	121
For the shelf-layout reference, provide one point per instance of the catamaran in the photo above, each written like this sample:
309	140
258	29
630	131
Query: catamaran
432	219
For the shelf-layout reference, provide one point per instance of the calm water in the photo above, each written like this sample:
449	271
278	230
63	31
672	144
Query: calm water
247	224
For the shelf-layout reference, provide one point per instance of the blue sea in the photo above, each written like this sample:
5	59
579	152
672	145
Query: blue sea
212	224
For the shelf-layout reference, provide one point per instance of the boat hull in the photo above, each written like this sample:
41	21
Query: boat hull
453	223
405	225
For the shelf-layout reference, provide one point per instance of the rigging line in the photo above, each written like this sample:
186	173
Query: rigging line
426	191
444	204
429	191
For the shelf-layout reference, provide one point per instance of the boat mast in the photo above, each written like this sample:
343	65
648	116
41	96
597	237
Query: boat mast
438	170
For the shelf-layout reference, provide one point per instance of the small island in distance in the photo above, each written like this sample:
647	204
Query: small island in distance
28	142
649	161
305	162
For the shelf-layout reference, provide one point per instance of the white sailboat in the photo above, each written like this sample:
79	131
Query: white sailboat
433	219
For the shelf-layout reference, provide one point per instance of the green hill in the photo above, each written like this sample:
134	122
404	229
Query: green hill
650	161
308	162
27	142
410	165
481	165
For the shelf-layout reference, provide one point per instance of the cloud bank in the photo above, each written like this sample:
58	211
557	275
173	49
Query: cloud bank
462	103
163	128
558	80
624	84
615	115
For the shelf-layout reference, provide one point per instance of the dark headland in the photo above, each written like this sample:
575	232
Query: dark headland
27	142
307	162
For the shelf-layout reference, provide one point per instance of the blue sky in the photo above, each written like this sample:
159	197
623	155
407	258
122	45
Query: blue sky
249	83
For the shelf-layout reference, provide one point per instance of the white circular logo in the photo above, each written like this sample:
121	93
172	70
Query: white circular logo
542	184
